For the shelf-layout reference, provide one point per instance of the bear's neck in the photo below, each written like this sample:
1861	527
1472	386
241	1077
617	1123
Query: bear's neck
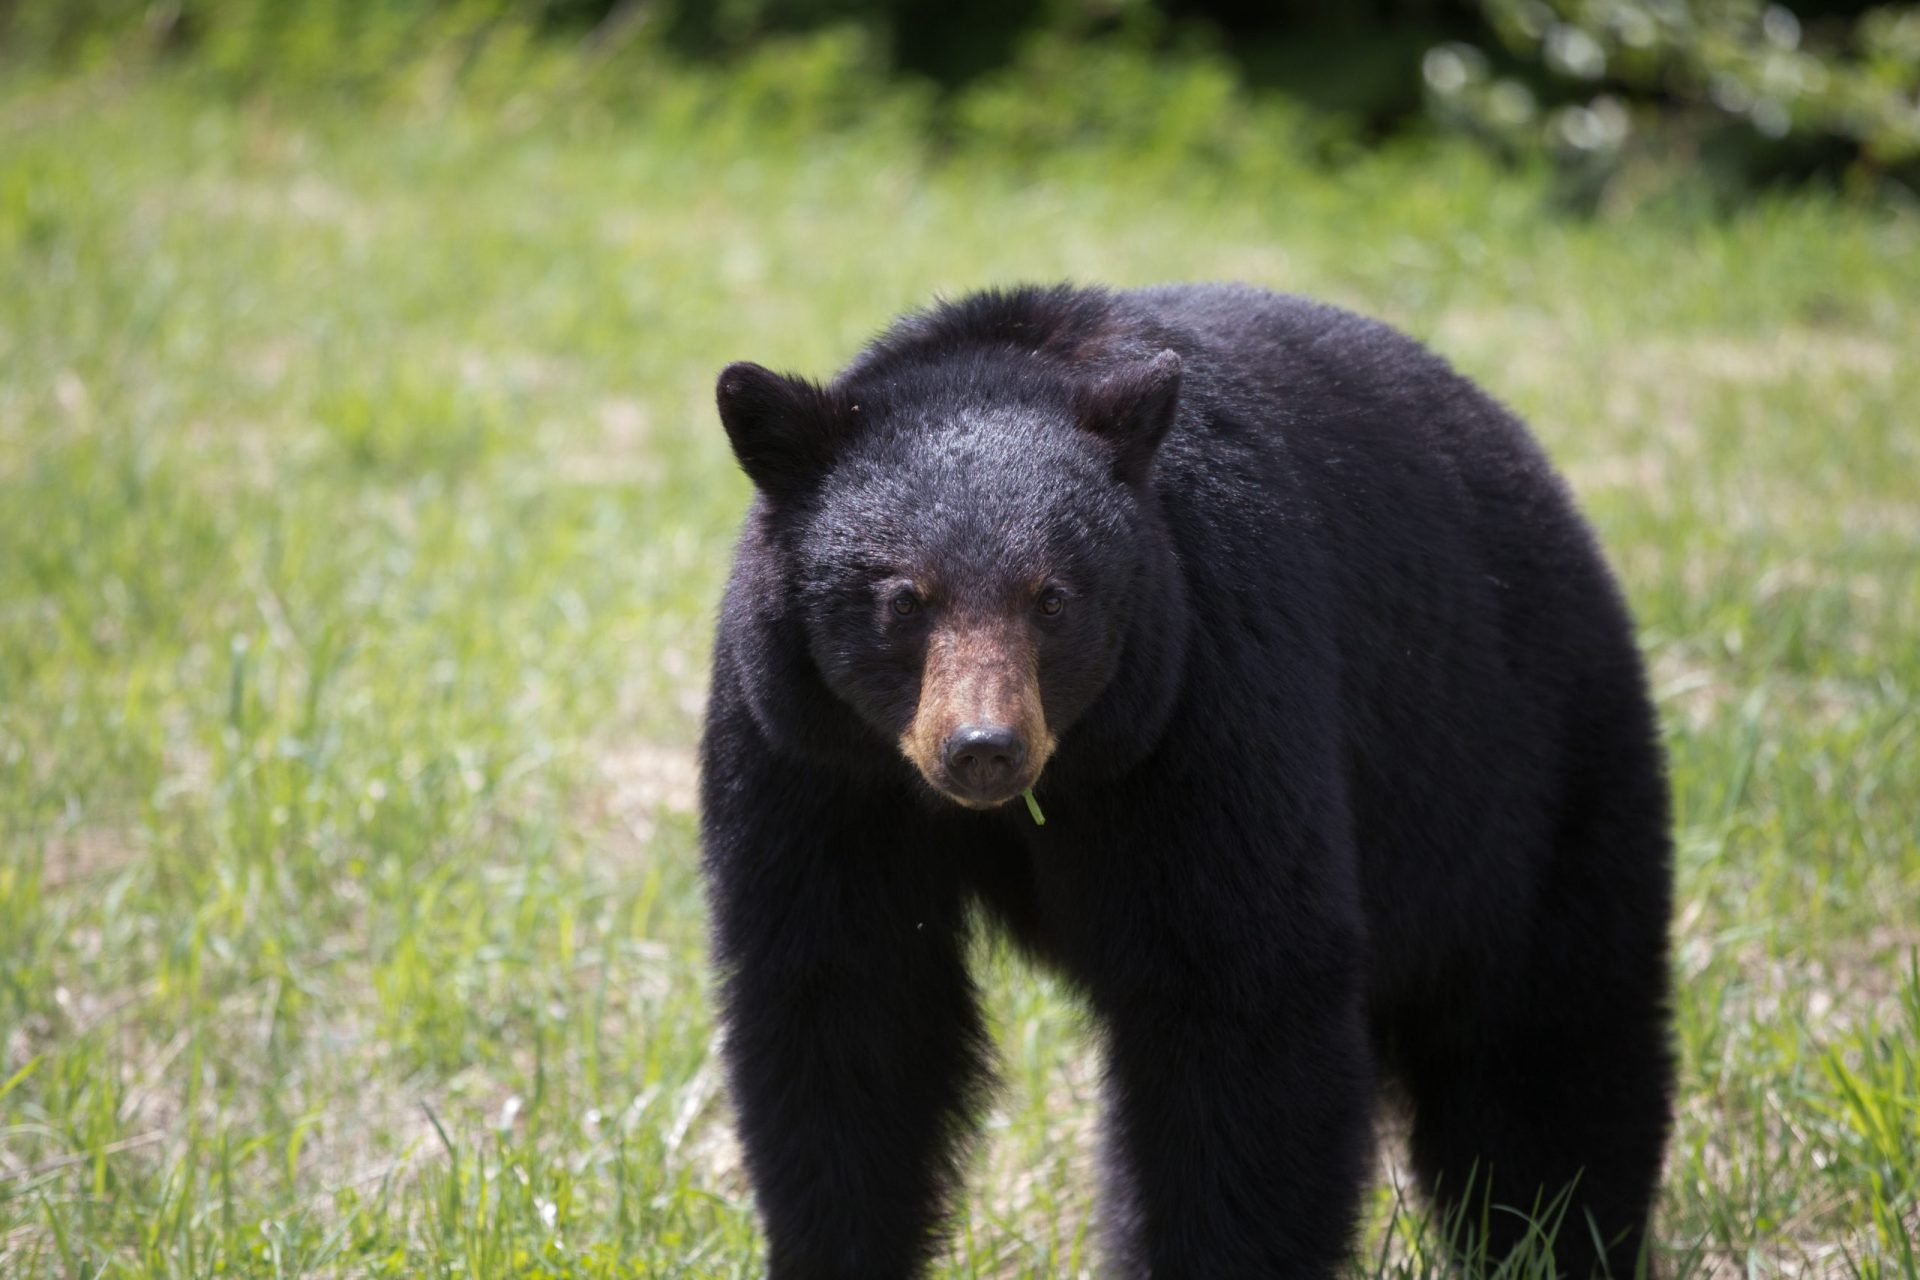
1124	724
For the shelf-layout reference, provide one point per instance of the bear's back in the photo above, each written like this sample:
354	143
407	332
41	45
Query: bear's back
1314	432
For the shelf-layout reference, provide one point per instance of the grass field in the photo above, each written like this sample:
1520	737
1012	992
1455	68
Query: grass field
362	511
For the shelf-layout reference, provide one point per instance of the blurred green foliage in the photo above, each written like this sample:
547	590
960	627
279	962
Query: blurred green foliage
1744	91
1720	75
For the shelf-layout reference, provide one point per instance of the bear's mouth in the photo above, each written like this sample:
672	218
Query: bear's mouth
992	797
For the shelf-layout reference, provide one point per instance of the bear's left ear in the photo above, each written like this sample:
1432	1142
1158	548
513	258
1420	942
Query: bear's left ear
784	431
1131	409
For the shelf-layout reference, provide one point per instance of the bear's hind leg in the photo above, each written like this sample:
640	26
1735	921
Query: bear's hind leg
1546	1132
1551	1093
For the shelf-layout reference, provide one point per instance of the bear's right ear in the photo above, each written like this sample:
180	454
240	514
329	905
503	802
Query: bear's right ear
783	430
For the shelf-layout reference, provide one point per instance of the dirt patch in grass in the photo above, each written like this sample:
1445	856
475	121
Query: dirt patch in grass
643	782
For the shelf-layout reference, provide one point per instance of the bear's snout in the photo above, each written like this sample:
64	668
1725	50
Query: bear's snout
979	735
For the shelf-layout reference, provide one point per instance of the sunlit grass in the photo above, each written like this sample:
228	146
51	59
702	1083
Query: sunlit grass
361	518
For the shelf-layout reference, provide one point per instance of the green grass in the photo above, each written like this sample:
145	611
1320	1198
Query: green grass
362	513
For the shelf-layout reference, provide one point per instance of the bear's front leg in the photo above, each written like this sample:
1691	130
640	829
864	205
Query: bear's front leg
1237	1141
853	1045
1229	977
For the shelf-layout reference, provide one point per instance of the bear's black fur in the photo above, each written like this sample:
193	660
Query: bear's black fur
1348	771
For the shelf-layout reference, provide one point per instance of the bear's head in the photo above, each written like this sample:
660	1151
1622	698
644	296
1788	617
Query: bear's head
965	542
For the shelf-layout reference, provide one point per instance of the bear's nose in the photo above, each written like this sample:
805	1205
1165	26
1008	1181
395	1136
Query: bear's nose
984	759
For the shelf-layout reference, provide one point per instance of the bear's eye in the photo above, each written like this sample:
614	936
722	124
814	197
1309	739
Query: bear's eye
904	603
1052	601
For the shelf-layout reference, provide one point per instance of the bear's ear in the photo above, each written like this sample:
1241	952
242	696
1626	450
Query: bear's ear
1131	408
784	430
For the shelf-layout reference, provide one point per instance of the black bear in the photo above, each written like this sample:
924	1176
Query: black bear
1254	670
